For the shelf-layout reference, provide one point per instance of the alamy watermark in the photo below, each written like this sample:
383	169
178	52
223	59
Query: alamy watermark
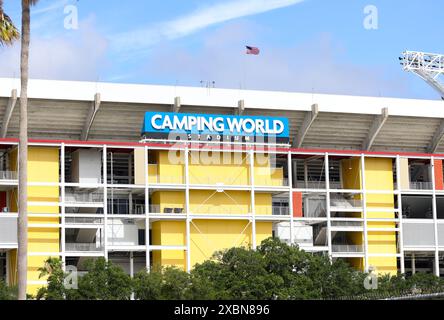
71	21
371	19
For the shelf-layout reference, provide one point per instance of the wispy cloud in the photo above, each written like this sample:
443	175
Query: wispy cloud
53	6
202	18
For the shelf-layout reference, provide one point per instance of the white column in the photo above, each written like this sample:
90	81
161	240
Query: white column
62	205
398	187
327	186
130	203
435	215
290	202
105	203
147	212
253	207
131	263
187	206
364	210
413	263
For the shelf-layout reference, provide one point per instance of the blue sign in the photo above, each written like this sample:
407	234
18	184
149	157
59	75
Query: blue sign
211	127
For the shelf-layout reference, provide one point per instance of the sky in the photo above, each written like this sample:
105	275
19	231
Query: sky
318	46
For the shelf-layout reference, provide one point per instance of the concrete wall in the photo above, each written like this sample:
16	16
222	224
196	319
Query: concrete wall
86	166
122	233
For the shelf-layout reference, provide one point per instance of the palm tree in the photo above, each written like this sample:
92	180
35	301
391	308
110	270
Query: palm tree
22	261
8	32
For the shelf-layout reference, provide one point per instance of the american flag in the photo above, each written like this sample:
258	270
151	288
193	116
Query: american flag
253	50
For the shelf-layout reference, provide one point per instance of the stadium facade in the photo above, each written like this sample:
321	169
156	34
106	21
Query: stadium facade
354	178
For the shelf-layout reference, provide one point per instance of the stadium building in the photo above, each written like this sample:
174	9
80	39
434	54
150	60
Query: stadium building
353	178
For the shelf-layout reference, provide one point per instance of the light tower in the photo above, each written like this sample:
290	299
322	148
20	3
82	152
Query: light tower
428	66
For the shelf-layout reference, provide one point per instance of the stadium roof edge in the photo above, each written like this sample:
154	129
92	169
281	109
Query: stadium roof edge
224	98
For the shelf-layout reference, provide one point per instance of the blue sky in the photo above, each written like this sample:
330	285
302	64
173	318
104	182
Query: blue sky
316	46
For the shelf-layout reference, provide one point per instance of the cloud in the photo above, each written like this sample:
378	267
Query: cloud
53	6
317	65
70	56
144	38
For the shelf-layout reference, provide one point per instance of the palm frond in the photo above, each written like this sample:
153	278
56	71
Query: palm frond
8	31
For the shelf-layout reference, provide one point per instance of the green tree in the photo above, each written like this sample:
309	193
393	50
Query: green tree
242	274
291	264
148	285
55	289
104	281
6	292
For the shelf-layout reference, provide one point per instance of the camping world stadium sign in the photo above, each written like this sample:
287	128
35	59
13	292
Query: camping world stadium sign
215	128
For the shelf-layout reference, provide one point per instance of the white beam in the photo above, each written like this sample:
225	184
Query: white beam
240	108
91	116
437	138
177	105
309	119
8	113
376	127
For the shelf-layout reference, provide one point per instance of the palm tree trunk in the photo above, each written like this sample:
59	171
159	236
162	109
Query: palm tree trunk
23	156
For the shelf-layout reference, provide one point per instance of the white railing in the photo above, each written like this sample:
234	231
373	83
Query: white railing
8	175
419	185
214	180
347	248
76	247
84	197
162	179
83	220
346	224
228	210
345	203
154	208
207	209
280	211
317	185
270	182
310	184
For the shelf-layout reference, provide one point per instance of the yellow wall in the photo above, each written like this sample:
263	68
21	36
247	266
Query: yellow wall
12	267
404	173
168	199
212	168
139	166
169	233
209	236
378	176
43	166
206	237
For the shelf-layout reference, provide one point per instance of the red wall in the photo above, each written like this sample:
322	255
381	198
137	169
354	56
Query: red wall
439	184
2	200
297	205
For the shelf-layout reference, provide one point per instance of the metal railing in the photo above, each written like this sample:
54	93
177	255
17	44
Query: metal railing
94	197
280	211
83	220
154	208
421	185
310	184
318	185
347	248
343	203
8	175
267	181
89	247
346	224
